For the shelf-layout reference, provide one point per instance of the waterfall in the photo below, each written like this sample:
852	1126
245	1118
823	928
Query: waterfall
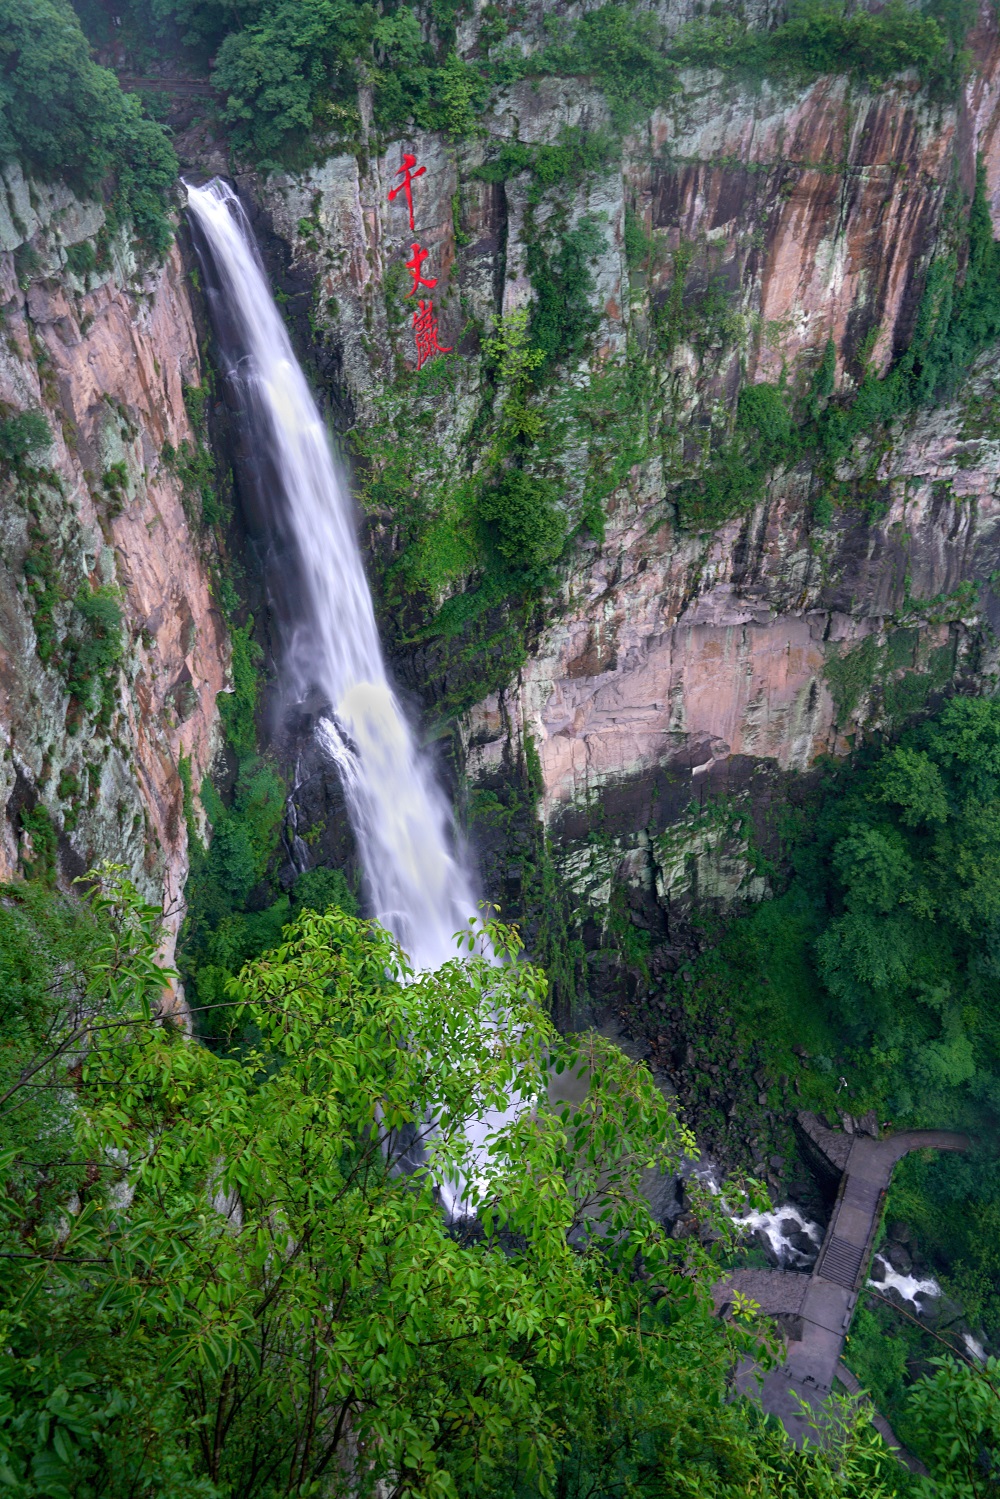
401	821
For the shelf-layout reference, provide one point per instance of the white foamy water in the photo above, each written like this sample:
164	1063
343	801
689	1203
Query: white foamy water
908	1286
974	1347
401	822
778	1226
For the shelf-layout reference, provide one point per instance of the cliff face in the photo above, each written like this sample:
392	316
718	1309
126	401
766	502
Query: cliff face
96	716
740	232
739	641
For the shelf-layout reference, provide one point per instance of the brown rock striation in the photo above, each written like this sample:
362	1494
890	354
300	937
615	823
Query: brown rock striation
105	355
690	649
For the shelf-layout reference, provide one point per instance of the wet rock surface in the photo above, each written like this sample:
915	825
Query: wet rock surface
105	355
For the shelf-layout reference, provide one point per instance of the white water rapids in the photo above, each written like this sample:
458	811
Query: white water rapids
401	821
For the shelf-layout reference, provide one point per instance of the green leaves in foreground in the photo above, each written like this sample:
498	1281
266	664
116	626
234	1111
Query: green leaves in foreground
242	1243
234	1290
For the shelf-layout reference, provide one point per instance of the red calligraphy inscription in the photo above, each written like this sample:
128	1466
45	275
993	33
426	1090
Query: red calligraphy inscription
408	174
425	331
414	267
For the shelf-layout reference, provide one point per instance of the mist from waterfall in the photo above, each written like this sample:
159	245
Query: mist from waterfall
401	821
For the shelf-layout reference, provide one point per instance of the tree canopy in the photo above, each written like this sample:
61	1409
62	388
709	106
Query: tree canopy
220	1280
65	118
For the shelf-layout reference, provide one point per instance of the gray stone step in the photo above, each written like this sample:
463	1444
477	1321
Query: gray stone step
841	1262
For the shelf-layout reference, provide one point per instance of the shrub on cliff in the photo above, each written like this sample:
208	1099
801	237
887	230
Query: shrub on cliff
522	522
764	438
563	319
93	649
622	49
21	435
66	118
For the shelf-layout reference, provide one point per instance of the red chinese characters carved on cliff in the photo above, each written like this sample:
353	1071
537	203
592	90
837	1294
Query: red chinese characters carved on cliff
425	330
408	174
413	265
425	324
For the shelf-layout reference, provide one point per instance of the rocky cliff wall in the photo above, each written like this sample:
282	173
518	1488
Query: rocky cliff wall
98	719
740	231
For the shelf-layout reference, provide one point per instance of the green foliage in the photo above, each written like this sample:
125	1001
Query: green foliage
639	243
276	71
93	649
42	578
114	482
74	1417
194	462
948	1415
824	378
463	93
955	323
233	912
244	1295
957	1411
238	708
318	889
562	319
40	830
881	952
523	522
826	36
904	868
764	439
295	66
47	948
245	834
906	959
88	649
953	1206
622	50
66	118
575	155
849	674
21	435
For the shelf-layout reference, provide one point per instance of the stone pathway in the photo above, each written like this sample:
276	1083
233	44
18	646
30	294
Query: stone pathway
830	1293
881	1425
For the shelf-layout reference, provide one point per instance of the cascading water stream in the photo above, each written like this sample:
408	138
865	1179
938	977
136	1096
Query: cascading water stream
401	822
